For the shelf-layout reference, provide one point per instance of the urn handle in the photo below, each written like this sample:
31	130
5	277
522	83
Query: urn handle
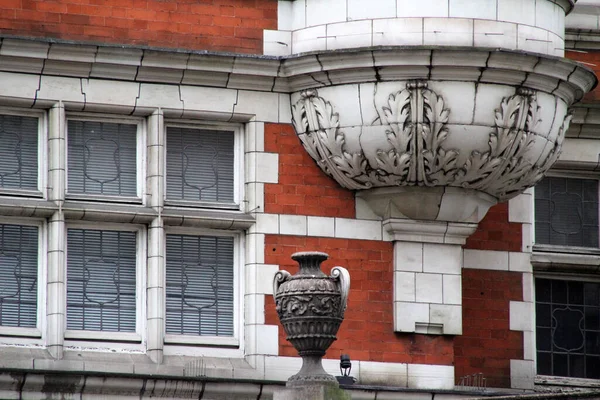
278	279
343	277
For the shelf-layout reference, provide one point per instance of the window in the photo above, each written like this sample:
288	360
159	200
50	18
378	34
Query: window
19	152
568	328
101	280
19	267
566	212
200	285
200	165
102	158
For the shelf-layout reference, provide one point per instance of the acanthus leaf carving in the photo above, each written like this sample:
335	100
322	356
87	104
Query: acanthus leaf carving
417	156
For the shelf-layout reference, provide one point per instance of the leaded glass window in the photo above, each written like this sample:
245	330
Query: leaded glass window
566	212
199	285
102	158
18	152
200	165
19	268
568	328
101	271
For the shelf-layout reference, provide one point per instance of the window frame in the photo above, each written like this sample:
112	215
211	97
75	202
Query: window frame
238	164
557	379
140	141
553	248
42	140
40	329
138	336
238	290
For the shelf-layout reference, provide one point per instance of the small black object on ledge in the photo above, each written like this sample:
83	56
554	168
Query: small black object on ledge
345	368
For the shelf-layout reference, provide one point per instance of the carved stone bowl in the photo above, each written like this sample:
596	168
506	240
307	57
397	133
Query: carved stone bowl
444	149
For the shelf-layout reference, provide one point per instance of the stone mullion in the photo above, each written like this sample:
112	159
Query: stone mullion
56	268
155	291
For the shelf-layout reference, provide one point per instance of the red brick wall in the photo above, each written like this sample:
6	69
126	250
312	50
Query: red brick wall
591	60
303	189
367	332
219	25
487	344
495	232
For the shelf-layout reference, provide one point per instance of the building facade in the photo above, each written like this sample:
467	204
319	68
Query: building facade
161	160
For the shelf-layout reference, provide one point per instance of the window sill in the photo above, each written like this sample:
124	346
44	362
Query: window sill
213	219
20	332
108	212
203	204
190	340
21	207
554	261
103	336
566	381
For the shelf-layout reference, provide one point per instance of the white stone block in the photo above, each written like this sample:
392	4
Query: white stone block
255	137
292	225
198	98
423	8
521	316
529	349
486	101
527	240
404	286
522	374
266	223
383	374
321	226
429	288
285	110
267	167
532	39
544	15
357	229
424	376
349	35
448	32
398	32
517	11
164	96
486	259
264	105
320	12
462	93
495	34
255	197
265	337
407	314
408	256
528	287
481	9
262	276
309	39
519	262
442	258
452	289
285	15
122	95
277	43
582	21
254	310
450	316
19	85
255	248
281	368
299	14
360	9
60	88
520	209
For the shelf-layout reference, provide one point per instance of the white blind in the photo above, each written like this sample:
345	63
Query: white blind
18	152
200	165
18	265
199	285
102	158
101	280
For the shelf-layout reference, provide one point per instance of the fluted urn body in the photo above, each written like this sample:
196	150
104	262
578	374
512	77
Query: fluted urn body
311	306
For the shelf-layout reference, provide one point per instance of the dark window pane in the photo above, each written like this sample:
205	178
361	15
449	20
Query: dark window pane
577	366
575	293
200	165
592	367
101	284
18	152
199	285
543	315
592	342
102	158
592	318
559	292
566	212
591	293
19	267
560	364
543	339
544	363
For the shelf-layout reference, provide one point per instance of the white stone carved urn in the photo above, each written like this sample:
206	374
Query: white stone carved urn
443	146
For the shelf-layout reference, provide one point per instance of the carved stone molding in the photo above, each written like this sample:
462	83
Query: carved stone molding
415	122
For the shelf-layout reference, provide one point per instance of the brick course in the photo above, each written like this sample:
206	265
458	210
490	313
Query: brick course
487	344
217	25
303	189
495	232
367	332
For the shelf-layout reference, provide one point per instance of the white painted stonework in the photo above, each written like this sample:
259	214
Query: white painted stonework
314	25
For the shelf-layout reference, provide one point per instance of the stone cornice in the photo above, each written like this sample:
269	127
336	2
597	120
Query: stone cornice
562	77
